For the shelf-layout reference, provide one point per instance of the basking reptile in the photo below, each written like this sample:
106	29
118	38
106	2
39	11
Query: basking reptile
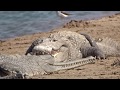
62	50
78	45
58	57
22	66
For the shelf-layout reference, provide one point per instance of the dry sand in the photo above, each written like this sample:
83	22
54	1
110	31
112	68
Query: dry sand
102	69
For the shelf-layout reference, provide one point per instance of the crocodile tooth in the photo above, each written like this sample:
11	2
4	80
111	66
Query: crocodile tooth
48	52
55	54
43	53
6	69
13	72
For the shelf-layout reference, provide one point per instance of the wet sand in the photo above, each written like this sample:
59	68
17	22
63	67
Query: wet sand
102	69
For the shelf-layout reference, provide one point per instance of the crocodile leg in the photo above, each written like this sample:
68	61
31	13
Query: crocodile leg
92	51
13	76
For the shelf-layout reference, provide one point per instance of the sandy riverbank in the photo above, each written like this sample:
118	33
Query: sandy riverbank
103	27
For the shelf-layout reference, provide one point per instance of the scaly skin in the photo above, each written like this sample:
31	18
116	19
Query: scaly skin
27	66
79	45
109	46
62	50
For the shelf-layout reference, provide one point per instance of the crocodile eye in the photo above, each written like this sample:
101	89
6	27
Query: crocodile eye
40	41
70	38
54	40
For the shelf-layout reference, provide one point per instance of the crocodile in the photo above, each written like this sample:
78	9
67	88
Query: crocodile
80	45
26	66
48	60
59	51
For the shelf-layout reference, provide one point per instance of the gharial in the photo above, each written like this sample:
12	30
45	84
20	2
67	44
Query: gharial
61	50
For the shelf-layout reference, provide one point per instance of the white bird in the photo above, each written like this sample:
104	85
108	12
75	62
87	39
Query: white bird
62	14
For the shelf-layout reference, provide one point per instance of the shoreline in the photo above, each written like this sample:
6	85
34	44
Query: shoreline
96	28
104	27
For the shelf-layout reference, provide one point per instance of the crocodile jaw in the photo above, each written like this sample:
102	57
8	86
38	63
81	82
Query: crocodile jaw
46	50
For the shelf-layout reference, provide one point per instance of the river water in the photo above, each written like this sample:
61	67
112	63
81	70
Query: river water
18	23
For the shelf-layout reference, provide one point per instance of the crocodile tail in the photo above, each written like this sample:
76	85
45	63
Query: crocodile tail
109	46
91	41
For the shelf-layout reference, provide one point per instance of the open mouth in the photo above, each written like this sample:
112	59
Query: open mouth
51	52
45	50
